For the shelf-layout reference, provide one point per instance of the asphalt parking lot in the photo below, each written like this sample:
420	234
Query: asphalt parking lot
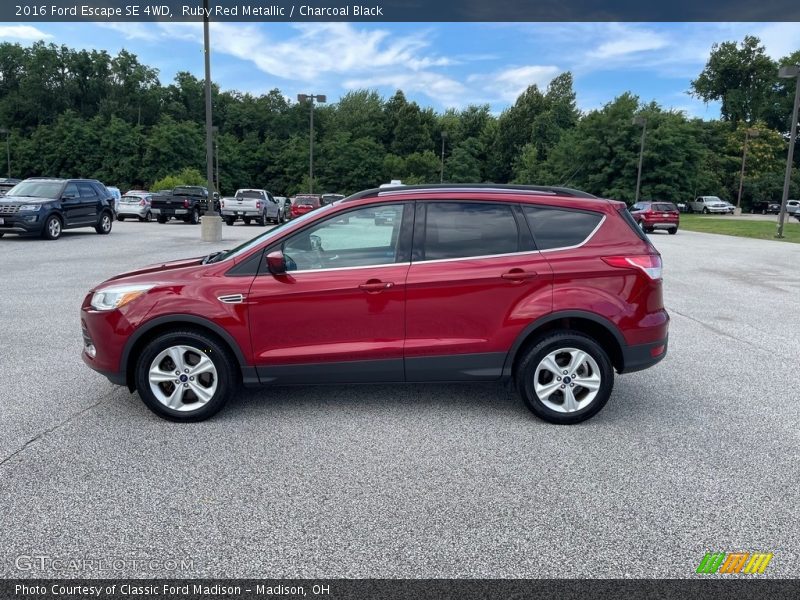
698	454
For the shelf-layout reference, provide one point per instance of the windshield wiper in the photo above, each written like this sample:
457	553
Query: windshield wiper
210	258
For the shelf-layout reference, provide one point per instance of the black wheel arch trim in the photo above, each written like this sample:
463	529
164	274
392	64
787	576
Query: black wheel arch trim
177	320
555	316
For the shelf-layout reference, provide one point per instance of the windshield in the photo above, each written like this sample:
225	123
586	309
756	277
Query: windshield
259	239
187	191
37	189
250	194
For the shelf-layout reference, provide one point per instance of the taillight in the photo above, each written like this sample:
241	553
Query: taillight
649	263
222	203
142	202
258	204
185	203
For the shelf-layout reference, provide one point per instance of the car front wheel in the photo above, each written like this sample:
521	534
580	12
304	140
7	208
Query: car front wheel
185	376
52	228
565	378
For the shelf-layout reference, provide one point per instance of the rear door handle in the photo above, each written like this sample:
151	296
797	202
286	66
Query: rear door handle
374	286
519	275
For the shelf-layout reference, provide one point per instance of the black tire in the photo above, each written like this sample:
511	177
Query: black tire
147	218
262	220
246	220
230	220
705	211
120	217
526	369
1	234
161	219
227	380
194	218
53	227
673	230
103	227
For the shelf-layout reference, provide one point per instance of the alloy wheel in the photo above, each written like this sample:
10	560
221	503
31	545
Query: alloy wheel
567	380
183	378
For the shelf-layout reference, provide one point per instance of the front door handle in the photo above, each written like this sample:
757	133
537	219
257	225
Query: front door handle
519	275
373	286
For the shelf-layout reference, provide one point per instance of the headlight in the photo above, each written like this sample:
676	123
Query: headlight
115	297
27	207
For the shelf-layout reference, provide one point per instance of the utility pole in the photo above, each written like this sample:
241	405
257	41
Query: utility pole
311	98
441	175
211	224
788	72
747	135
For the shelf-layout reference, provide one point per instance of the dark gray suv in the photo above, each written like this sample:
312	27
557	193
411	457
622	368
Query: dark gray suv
46	207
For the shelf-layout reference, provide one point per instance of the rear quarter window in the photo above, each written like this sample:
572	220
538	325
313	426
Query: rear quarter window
466	229
561	228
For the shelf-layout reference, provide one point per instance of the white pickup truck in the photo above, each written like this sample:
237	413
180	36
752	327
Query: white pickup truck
251	205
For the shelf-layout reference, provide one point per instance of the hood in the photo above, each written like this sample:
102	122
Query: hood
161	268
26	200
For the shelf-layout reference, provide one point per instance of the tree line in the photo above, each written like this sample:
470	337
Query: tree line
85	113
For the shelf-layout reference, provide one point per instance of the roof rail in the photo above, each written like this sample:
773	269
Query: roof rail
506	187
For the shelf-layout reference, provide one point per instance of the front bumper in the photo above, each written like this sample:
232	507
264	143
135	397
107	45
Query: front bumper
22	223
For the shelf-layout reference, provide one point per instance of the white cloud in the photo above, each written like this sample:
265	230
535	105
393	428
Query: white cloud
441	88
23	32
779	39
135	31
509	83
628	40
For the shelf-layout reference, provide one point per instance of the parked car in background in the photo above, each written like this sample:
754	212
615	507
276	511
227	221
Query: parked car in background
46	207
6	184
656	215
707	205
185	202
330	198
731	208
249	205
136	205
320	301
117	196
305	203
286	203
683	207
793	207
765	207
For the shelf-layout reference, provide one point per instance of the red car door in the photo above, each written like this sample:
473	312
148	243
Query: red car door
474	284
338	313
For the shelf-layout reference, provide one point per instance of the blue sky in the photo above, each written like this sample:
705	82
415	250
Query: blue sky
437	64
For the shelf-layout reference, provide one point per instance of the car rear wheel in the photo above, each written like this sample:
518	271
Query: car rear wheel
262	220
52	228
673	230
185	376
104	226
565	378
230	220
246	220
194	219
148	217
120	217
161	219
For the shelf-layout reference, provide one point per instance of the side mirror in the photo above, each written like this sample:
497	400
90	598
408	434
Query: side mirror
276	263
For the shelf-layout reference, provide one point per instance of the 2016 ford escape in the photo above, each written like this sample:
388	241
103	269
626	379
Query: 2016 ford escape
550	287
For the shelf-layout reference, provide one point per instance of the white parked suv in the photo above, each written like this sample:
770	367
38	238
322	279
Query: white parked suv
709	204
251	205
793	207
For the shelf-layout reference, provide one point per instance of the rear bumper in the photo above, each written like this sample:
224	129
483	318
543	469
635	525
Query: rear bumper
240	212
170	212
643	356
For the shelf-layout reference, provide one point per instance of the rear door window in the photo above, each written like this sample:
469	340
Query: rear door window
468	229
560	228
86	190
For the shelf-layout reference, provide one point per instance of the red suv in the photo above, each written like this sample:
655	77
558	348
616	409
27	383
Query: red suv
656	215
305	203
552	288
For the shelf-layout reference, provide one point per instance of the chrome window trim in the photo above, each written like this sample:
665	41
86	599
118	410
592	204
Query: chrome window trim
480	257
394	264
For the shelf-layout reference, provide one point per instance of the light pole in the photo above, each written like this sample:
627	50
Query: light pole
7	133
640	120
211	224
311	98
441	175
789	72
750	133
215	129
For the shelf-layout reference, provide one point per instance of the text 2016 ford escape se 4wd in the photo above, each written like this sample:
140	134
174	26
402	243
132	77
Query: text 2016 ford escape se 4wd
550	287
